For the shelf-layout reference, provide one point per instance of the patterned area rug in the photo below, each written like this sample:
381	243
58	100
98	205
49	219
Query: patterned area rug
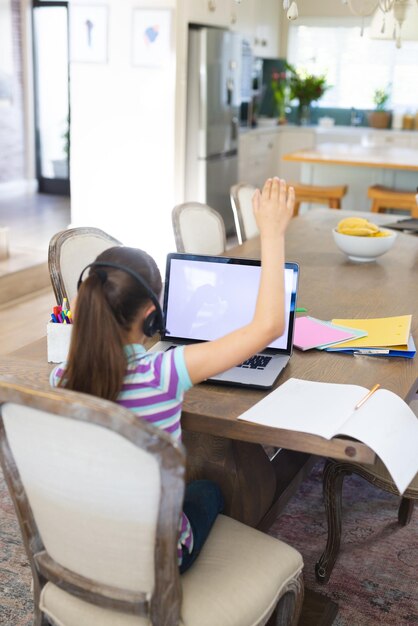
375	578
374	582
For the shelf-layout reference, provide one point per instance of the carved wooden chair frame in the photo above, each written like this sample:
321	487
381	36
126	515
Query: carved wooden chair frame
163	607
333	478
54	254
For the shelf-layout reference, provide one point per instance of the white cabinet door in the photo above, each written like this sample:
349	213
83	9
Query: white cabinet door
290	141
211	12
242	19
267	16
258	157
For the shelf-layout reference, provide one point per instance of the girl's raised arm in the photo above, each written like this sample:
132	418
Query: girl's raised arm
273	209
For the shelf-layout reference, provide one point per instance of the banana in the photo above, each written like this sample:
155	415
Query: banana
359	227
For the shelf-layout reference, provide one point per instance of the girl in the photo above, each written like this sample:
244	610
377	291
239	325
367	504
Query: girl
118	306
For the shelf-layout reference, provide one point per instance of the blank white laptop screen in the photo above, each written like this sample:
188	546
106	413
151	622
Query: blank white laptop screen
206	300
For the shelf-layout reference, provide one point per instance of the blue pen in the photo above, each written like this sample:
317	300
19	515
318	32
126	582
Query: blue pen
54	319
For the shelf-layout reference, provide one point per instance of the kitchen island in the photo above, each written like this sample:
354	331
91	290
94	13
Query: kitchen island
358	166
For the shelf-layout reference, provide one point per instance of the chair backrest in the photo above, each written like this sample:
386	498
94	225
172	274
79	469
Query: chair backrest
98	494
242	207
198	229
69	252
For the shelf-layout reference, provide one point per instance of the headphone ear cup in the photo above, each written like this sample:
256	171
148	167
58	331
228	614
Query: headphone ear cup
151	324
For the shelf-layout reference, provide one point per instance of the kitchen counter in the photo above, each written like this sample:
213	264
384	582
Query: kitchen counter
385	157
357	134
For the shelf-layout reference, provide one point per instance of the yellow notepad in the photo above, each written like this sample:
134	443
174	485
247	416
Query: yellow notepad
381	332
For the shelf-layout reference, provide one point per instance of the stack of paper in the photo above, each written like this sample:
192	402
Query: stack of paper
313	333
386	336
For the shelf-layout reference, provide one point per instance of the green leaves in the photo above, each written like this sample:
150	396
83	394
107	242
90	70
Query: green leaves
306	87
380	98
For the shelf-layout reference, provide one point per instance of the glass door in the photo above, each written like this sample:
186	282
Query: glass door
52	110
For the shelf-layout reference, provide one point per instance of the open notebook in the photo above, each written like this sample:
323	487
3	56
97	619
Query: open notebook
206	297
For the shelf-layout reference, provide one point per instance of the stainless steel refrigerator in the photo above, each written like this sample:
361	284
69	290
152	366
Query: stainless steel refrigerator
213	102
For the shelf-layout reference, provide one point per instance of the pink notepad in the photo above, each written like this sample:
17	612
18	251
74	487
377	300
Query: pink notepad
312	333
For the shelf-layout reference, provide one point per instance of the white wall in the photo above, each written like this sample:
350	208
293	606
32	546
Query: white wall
122	141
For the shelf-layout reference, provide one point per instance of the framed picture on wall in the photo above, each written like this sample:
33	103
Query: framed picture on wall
88	33
151	37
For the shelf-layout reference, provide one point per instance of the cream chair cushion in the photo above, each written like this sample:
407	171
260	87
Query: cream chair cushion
198	229
244	206
78	251
108	509
235	581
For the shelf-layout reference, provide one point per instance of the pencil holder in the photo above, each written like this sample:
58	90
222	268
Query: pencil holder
58	337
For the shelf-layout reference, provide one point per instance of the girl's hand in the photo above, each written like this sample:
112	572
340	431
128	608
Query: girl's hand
273	207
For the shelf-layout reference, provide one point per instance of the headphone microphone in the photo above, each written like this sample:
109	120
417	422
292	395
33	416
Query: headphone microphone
154	322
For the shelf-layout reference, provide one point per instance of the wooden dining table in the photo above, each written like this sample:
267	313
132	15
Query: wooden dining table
259	467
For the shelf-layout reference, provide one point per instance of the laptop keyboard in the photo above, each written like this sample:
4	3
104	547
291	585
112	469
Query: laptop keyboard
256	362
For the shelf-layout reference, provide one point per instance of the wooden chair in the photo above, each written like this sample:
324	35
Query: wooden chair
241	196
334	474
330	196
69	252
384	198
98	495
198	229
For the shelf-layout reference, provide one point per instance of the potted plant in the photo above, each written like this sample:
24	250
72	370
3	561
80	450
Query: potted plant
380	117
306	88
280	90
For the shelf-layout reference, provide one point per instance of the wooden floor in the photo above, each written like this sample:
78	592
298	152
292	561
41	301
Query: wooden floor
32	218
26	298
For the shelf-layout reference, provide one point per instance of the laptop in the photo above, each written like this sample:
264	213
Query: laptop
206	297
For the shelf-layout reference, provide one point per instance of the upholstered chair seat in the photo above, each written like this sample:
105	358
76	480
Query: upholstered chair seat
218	589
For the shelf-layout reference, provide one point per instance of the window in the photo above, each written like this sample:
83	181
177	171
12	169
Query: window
355	66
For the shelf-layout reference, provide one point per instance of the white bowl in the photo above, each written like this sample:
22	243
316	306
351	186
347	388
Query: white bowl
364	249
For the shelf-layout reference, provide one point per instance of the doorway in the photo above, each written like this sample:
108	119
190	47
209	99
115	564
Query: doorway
51	85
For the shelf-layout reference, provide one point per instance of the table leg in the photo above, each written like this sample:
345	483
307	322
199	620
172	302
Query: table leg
255	488
242	470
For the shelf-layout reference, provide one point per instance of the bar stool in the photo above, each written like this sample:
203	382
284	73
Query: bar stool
388	198
330	196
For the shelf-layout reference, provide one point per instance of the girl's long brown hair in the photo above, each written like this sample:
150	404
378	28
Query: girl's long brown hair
108	302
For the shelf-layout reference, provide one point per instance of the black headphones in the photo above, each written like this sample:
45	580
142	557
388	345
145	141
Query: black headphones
154	322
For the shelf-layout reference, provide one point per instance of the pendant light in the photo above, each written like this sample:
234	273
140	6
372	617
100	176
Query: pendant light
401	9
385	6
401	23
363	8
292	12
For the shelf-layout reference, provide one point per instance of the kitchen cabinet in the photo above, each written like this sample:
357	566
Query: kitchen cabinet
266	19
289	141
243	19
258	156
212	12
